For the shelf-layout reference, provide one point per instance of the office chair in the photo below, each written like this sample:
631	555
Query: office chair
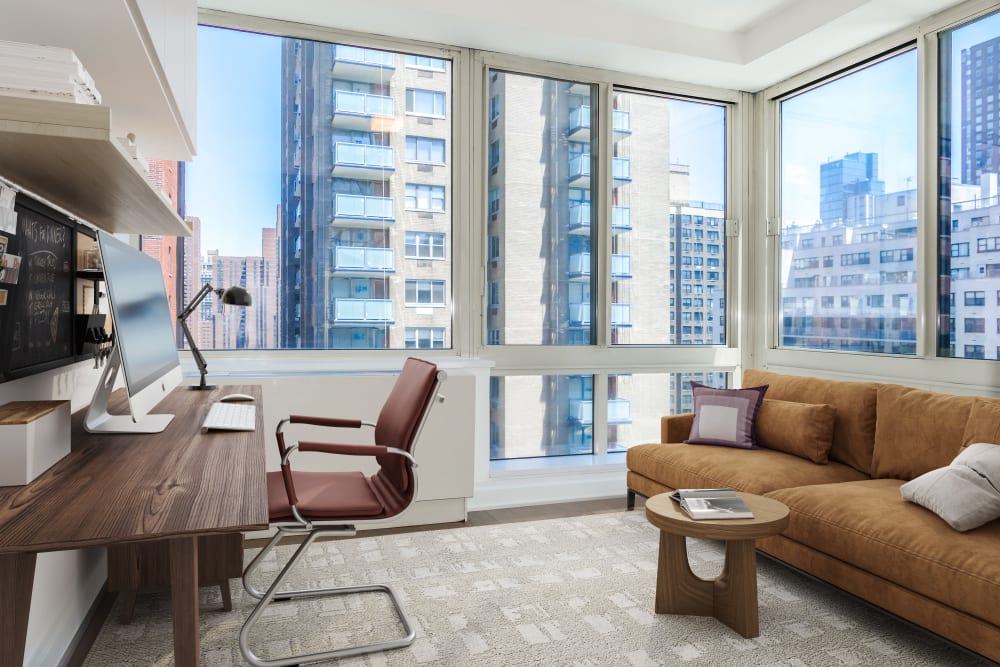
318	504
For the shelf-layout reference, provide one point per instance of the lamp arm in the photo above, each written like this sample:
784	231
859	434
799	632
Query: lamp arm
199	359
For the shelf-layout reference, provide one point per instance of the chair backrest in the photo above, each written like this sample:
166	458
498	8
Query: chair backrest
399	422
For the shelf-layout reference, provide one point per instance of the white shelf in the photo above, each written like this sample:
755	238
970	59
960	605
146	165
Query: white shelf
65	153
141	54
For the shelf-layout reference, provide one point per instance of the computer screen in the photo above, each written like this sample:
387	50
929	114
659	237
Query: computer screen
144	337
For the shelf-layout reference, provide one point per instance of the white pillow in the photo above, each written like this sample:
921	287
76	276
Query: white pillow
966	493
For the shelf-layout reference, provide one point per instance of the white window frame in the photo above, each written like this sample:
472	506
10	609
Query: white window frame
434	243
431	142
430	191
435	95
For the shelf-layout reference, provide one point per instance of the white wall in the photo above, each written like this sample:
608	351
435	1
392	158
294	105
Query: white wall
66	582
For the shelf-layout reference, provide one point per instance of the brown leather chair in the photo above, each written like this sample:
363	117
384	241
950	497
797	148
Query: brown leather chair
316	504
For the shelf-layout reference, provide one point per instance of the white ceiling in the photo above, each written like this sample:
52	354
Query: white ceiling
742	44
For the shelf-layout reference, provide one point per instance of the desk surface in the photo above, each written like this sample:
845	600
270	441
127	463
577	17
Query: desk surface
132	487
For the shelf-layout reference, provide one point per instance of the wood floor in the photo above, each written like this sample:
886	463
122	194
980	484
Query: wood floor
477	518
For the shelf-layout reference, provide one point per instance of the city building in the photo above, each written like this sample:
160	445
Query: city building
847	184
980	130
366	180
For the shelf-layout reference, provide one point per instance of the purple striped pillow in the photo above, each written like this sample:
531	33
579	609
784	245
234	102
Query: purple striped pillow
725	417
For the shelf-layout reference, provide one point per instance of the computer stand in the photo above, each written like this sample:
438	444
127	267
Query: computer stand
99	420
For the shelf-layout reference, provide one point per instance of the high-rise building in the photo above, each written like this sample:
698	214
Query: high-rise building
848	187
980	110
167	177
366	179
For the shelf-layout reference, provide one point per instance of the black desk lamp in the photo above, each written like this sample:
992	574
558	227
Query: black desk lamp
233	296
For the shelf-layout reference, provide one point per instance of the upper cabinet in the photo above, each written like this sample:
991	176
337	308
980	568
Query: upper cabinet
141	55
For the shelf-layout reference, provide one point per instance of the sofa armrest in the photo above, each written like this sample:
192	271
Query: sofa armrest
676	428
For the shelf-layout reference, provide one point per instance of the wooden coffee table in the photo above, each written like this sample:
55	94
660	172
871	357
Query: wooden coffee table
732	598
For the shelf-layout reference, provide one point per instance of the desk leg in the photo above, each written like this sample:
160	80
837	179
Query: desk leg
17	576
184	600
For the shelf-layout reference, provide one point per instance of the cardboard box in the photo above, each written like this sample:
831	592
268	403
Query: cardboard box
34	435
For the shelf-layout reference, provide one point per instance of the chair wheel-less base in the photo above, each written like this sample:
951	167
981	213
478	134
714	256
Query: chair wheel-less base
272	595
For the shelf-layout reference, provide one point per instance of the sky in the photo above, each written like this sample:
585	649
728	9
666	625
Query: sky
234	183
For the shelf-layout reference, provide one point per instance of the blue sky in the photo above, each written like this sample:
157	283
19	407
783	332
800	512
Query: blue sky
234	183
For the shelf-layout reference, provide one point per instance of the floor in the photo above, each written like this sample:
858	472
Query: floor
478	518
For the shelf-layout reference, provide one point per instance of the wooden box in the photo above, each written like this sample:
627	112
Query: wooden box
34	435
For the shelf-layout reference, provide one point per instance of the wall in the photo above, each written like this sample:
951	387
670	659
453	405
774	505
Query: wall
66	582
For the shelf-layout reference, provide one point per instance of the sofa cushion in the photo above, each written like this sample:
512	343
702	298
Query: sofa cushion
802	429
965	494
984	422
725	417
681	466
869	525
854	427
917	430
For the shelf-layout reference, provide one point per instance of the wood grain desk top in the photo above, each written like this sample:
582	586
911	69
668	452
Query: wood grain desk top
116	488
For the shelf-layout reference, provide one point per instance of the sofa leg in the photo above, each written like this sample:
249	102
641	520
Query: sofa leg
629	500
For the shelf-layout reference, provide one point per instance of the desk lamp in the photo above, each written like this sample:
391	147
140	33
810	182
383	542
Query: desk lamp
233	296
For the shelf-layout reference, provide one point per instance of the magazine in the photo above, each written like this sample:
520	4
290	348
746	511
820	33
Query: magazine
712	504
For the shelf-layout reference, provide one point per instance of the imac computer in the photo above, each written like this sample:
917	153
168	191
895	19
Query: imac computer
145	348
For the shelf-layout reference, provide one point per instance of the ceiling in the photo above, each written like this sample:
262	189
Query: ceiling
741	44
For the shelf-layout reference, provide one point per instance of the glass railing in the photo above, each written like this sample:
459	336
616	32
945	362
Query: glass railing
579	118
621	314
356	54
345	101
364	155
619	410
621	169
362	310
579	216
621	265
579	167
621	121
363	259
356	206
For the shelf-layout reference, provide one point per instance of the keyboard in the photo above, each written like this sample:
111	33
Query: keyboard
230	417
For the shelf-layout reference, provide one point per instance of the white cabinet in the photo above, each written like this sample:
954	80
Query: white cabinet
140	53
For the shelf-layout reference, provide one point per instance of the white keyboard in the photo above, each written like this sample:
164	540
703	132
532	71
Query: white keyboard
230	417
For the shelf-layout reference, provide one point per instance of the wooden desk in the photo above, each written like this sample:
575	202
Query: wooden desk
120	488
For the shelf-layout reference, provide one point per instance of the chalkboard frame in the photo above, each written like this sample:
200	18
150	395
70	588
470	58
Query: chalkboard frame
7	374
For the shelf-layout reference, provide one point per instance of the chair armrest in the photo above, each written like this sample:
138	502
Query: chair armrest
339	448
676	428
325	421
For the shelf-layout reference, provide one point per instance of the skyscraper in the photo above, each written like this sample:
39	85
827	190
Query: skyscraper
848	187
980	109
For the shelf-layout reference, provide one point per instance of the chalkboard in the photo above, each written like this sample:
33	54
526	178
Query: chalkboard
39	276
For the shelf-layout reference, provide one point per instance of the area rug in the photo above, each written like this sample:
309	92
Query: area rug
563	592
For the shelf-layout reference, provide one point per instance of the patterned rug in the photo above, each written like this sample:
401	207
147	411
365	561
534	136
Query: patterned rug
562	592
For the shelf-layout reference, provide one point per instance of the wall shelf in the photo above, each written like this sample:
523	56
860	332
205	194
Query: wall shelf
65	153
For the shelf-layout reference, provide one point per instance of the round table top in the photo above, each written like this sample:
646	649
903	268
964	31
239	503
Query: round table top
770	518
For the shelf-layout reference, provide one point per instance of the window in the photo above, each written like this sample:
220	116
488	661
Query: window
493	253
990	244
425	149
968	223
859	180
494	199
494	154
425	102
425	293
425	245
423	62
975	298
424	197
425	338
353	226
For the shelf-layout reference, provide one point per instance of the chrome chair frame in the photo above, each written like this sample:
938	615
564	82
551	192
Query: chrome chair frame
313	530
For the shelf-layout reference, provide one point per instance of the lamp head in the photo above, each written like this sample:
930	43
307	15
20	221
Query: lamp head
235	296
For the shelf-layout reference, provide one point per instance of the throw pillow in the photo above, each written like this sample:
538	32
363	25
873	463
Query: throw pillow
983	424
725	417
966	493
801	429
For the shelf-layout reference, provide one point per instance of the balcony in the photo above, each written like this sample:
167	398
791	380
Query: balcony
360	111
579	218
361	311
579	314
579	123
362	161
582	412
354	63
349	260
579	266
579	170
359	211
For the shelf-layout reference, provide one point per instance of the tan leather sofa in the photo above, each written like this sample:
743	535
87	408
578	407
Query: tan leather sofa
848	524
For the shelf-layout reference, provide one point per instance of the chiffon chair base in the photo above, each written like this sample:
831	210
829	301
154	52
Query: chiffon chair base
273	594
